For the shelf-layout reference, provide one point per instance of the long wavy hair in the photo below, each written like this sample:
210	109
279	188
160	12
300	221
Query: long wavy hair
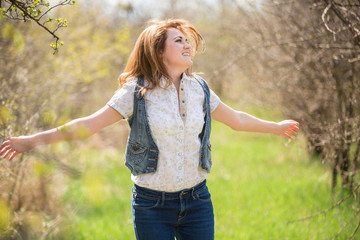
146	58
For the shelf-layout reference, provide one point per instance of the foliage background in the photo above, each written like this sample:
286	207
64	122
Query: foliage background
277	55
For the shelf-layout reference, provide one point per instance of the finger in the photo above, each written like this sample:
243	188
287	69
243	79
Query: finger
295	122
294	127
4	150
291	131
4	144
286	135
7	153
13	155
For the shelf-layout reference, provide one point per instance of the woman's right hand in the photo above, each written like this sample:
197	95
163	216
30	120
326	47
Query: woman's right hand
15	145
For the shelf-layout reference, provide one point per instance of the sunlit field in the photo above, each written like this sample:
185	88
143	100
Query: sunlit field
276	60
259	183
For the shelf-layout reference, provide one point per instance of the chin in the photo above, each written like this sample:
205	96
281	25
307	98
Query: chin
189	64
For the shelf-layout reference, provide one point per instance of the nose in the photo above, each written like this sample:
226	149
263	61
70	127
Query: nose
187	45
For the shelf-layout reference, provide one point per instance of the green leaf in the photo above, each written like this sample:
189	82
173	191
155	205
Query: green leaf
43	168
48	117
7	31
5	215
4	115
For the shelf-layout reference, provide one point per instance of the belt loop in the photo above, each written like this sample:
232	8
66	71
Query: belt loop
162	198
192	193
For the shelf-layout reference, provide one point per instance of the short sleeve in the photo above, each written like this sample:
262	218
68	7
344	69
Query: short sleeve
214	100
123	100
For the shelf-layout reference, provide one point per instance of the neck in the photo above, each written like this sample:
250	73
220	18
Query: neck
175	77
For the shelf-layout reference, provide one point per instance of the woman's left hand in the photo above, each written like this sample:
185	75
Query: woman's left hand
287	127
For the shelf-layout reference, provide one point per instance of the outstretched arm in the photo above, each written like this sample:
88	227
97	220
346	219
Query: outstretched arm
241	121
80	128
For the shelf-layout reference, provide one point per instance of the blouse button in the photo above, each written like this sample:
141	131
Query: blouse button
203	165
135	148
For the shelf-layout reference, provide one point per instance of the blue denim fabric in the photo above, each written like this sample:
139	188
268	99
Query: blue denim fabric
205	149
141	154
187	214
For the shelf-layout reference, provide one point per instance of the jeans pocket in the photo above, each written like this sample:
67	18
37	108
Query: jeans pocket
142	202
203	196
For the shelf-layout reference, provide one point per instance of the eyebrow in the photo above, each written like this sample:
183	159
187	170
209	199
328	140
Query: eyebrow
181	37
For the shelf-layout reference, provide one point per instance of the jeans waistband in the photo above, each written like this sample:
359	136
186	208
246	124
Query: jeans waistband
154	194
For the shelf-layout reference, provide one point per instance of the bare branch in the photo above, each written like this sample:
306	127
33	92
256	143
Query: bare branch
326	210
353	29
346	224
65	2
323	18
355	231
351	60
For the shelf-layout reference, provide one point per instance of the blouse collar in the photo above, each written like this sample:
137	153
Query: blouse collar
164	80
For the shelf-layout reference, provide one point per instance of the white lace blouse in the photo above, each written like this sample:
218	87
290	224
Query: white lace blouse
175	123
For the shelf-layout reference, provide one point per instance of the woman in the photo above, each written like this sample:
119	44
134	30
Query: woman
168	151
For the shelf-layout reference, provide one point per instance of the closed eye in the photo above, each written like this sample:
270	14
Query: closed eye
180	39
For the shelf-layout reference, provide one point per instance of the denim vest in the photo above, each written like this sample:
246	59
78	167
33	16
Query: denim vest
141	155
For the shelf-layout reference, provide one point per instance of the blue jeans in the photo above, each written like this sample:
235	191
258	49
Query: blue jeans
187	214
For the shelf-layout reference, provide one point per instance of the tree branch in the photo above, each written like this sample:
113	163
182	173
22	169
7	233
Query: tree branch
18	5
346	224
326	210
30	10
355	231
354	30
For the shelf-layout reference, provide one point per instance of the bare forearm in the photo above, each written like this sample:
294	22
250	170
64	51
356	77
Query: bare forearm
76	129
73	130
249	123
241	121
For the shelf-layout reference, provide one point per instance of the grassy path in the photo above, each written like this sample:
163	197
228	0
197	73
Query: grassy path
258	183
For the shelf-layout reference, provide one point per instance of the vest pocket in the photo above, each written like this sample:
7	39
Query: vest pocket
135	152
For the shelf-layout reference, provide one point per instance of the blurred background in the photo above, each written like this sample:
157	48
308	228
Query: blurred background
274	59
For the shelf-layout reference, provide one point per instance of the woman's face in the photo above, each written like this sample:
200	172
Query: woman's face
177	53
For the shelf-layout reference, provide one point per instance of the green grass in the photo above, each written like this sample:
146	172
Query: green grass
258	183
